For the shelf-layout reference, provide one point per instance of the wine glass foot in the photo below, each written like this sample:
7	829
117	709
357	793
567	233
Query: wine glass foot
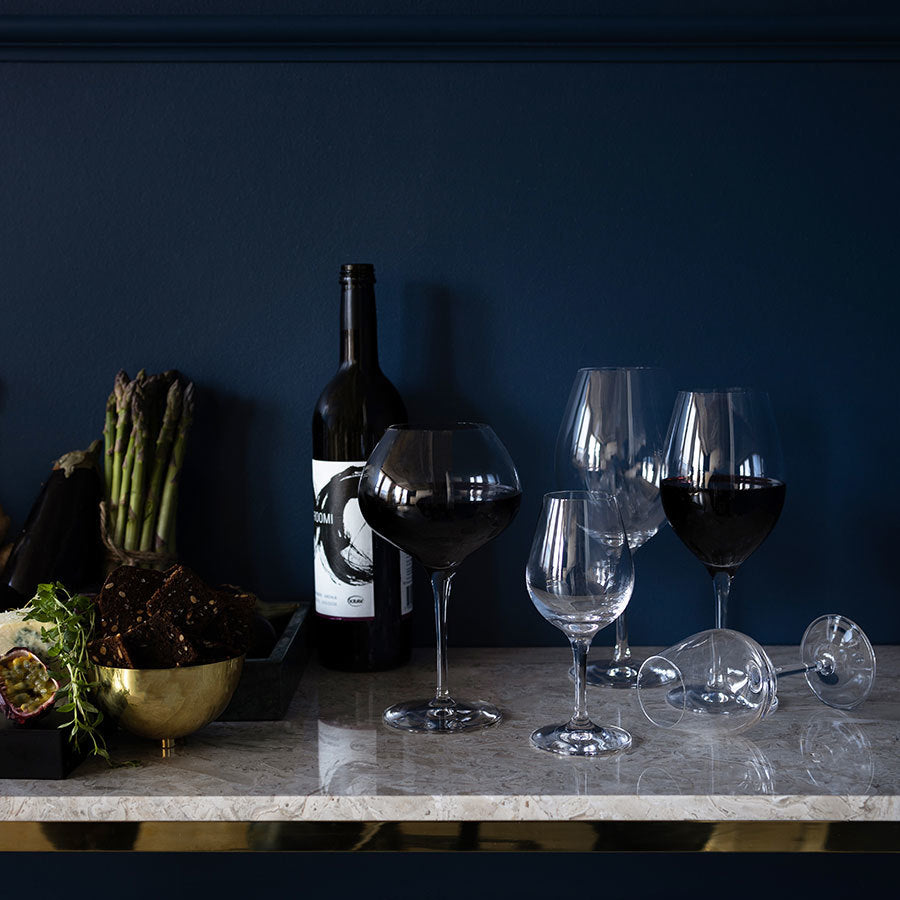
612	673
591	741
434	716
842	661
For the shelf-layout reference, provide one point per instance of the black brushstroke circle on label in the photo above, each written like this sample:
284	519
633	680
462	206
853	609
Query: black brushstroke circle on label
356	567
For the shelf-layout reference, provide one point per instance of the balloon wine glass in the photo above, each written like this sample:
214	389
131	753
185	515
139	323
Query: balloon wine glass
439	493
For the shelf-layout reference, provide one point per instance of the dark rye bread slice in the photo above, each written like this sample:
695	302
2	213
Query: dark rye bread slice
238	596
159	644
185	600
110	651
124	597
228	635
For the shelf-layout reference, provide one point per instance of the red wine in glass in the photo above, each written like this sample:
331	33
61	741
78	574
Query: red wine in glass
723	522
440	532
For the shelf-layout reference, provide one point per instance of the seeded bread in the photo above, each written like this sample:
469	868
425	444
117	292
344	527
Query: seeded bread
123	600
159	644
111	651
149	619
186	600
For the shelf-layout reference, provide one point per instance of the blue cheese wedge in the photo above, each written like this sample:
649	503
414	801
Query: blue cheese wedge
18	632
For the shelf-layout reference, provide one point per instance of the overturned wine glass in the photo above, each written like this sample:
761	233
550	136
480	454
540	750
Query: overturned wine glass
721	681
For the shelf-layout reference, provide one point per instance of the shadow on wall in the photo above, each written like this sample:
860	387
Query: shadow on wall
225	494
449	358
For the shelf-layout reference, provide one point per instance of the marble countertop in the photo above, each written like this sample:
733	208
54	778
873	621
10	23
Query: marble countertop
331	759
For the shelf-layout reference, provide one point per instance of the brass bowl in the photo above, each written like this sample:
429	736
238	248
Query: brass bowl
164	704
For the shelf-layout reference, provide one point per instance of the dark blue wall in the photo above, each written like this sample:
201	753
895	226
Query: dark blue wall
733	222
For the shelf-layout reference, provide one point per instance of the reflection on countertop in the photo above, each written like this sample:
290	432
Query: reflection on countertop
332	759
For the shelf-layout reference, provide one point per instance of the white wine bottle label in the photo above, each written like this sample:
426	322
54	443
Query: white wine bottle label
342	545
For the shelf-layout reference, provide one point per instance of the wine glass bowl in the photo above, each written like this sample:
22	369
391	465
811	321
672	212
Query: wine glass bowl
439	493
680	689
611	440
724	485
580	578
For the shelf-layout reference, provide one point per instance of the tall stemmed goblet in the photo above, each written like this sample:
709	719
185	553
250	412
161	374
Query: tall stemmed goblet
580	577
836	658
612	439
439	493
722	494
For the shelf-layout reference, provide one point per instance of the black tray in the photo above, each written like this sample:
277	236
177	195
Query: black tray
267	685
38	749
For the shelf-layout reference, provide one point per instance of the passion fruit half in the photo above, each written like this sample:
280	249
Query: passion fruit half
26	687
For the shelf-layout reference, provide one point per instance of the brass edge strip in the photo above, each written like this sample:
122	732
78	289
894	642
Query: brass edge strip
606	836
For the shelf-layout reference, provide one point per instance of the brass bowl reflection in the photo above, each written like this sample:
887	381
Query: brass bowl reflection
167	703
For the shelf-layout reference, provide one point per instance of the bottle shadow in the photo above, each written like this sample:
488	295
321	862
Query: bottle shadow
223	497
448	349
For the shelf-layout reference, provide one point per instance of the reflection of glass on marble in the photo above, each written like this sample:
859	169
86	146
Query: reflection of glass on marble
837	754
657	781
347	759
347	748
733	767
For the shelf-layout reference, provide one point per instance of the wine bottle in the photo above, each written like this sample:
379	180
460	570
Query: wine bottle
363	584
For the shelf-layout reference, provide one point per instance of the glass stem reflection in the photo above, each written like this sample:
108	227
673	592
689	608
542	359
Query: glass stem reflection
580	720
722	587
440	584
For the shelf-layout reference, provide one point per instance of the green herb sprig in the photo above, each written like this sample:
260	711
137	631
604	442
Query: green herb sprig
68	620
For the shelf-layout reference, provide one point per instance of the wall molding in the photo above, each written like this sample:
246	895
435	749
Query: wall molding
447	38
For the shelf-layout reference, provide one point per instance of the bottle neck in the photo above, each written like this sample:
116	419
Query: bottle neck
359	337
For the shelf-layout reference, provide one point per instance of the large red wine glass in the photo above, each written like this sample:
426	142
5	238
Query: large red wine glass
612	440
723	491
439	493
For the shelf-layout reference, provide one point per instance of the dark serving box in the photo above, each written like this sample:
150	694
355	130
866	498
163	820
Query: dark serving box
38	749
268	685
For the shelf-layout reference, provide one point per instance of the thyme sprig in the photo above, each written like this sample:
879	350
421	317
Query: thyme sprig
67	622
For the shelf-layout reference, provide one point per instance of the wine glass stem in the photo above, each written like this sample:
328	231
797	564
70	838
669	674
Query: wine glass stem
785	672
722	587
440	584
622	653
580	720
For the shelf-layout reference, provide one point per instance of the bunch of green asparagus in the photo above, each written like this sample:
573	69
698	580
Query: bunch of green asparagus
147	422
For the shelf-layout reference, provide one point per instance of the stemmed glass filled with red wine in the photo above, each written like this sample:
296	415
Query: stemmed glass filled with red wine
439	493
724	489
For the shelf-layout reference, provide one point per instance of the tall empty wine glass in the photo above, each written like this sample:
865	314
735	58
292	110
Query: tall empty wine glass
612	439
724	485
439	493
580	577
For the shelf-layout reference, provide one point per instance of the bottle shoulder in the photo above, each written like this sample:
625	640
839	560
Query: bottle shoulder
353	387
352	413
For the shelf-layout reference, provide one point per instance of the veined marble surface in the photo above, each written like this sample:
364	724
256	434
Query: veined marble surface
331	758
